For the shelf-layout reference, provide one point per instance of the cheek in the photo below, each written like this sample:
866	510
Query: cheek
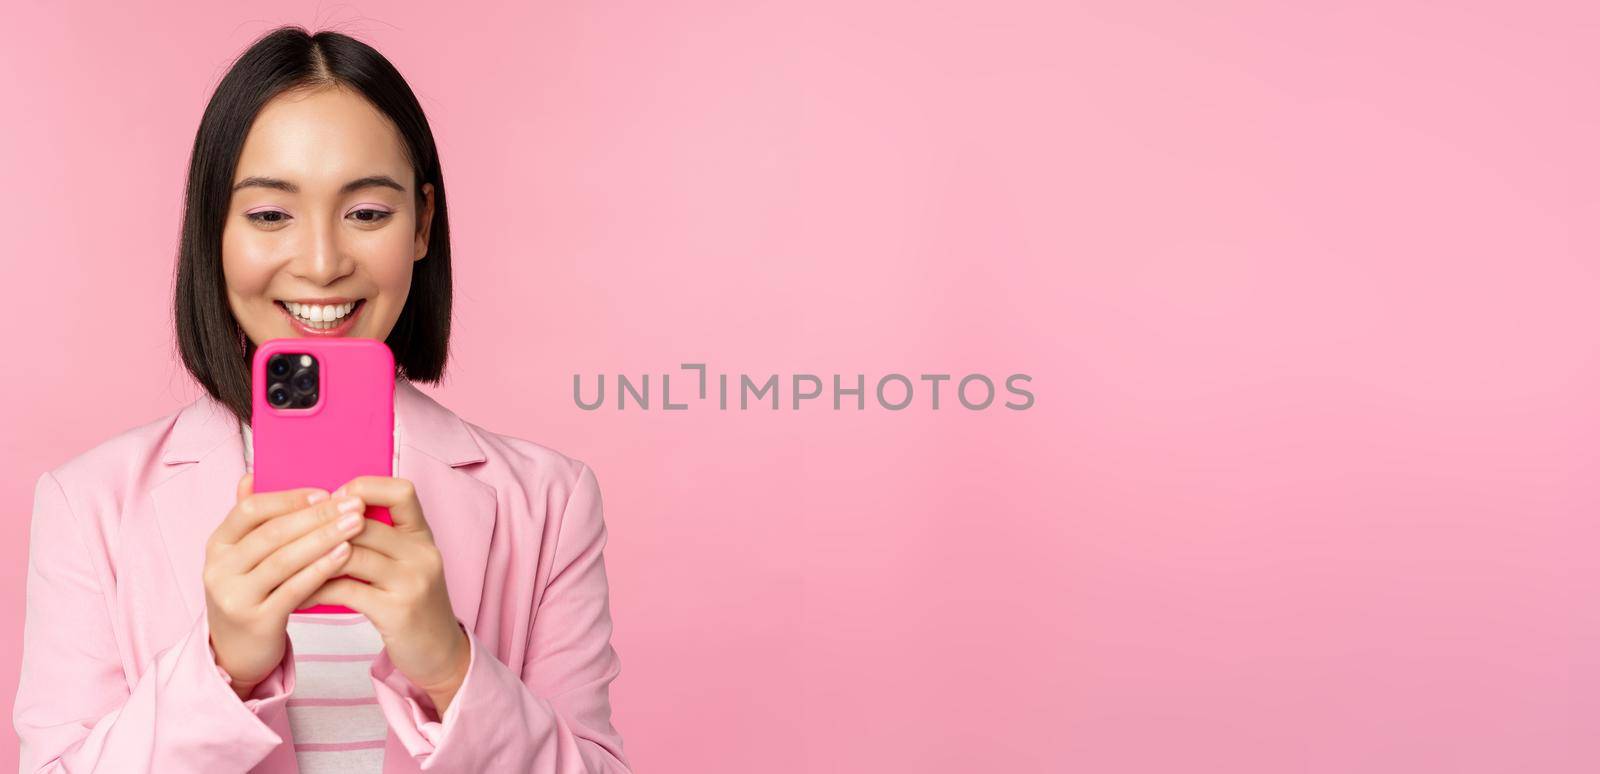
390	267
246	265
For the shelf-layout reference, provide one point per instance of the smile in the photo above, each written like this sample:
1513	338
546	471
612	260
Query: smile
322	319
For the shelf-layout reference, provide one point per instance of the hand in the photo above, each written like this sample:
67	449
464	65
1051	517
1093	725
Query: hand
404	594
269	554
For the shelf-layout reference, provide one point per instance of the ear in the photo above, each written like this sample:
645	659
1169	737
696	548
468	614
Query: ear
426	218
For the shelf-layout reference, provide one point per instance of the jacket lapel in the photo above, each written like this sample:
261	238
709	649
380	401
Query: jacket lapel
206	445
435	452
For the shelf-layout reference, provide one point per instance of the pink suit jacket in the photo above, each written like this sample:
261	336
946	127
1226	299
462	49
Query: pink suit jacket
118	674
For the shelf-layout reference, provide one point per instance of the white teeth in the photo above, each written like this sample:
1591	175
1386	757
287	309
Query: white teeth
320	316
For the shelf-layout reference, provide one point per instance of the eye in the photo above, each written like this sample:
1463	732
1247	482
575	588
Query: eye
377	216
277	216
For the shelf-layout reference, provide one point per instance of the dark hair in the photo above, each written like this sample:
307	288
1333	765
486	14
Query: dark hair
214	347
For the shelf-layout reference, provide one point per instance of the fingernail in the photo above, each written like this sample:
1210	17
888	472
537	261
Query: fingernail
350	505
338	492
349	522
316	497
339	551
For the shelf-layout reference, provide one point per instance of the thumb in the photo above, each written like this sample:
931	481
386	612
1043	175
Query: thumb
247	484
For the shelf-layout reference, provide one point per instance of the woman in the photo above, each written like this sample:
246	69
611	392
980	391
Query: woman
160	632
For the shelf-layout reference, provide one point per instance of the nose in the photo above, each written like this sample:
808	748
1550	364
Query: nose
322	260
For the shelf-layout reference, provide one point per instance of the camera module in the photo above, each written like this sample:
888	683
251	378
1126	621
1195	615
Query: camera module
292	380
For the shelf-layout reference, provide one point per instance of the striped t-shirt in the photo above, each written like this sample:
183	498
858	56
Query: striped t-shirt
334	715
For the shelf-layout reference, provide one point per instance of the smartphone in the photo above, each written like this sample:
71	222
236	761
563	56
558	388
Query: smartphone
322	413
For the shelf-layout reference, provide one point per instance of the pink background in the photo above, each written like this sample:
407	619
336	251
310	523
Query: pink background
1307	292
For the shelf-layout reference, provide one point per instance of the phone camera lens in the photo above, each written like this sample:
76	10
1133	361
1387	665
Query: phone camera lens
278	367
278	395
305	381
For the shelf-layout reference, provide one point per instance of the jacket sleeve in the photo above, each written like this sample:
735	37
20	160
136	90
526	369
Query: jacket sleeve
78	711
554	717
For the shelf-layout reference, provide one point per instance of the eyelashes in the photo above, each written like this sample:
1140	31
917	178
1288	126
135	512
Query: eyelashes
380	215
279	216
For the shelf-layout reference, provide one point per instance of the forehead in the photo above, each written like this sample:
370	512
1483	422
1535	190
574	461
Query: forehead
321	139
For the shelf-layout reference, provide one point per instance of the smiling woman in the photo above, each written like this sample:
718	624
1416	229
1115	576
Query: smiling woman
160	634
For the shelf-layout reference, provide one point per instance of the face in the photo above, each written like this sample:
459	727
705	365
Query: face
322	229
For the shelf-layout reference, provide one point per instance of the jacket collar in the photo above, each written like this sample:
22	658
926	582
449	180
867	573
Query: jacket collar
435	452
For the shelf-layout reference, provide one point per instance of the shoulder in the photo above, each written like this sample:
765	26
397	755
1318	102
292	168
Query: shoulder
126	461
548	487
509	463
99	486
533	482
528	466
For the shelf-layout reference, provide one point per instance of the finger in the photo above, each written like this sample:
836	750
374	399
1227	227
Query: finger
255	508
386	540
292	593
290	558
396	494
371	566
278	531
247	484
353	594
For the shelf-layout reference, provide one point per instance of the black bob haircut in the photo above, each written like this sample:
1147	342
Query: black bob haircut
214	347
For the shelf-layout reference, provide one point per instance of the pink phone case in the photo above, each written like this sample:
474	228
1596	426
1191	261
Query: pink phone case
349	432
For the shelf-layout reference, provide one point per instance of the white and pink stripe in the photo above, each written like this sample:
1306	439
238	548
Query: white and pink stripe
333	713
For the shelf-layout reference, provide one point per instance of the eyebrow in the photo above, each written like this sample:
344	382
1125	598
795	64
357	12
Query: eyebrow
354	185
